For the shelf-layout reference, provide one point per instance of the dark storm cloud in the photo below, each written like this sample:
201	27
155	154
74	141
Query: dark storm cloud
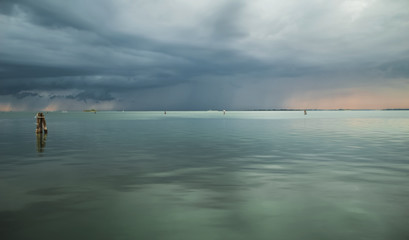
21	95
396	69
20	71
206	54
95	95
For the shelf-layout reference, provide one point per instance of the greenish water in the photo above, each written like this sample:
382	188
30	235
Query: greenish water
205	175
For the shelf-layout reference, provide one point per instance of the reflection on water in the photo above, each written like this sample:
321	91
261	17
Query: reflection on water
205	175
41	139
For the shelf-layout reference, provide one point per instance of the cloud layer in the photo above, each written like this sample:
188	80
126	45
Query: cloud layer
196	55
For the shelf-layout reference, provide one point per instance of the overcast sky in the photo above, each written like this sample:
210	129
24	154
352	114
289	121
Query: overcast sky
200	55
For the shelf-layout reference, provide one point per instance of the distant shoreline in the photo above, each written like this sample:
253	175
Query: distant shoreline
341	109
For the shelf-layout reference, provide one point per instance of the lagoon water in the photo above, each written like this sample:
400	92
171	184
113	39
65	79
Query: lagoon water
205	175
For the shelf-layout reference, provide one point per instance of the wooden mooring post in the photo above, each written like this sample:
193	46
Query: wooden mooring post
41	124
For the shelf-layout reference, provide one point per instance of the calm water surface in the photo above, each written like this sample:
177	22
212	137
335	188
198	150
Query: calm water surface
205	175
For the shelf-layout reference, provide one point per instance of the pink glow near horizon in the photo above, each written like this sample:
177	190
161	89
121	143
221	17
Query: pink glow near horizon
5	108
350	99
51	108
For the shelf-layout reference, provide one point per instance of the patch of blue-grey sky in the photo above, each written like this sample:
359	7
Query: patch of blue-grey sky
197	54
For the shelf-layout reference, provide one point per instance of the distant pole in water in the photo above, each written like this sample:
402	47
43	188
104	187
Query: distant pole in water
41	124
305	112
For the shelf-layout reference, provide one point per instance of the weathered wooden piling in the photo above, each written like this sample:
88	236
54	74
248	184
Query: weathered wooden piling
41	124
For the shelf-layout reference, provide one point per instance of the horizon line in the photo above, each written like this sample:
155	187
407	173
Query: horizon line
216	110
